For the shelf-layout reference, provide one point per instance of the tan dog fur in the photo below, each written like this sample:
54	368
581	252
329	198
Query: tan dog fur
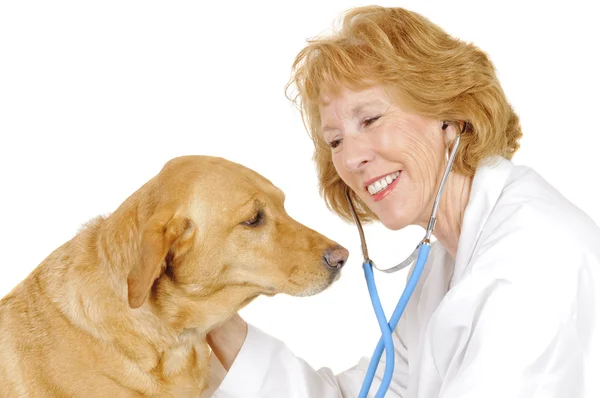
122	309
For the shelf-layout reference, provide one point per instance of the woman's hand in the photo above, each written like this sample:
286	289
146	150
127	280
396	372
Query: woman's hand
227	340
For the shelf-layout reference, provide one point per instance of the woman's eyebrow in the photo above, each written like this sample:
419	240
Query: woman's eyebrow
328	128
359	107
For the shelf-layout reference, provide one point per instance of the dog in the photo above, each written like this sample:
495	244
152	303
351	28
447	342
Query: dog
123	308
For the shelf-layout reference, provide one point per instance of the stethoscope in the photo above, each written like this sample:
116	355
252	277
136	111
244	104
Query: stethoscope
421	253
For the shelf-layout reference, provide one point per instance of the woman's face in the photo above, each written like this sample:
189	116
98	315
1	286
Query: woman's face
391	158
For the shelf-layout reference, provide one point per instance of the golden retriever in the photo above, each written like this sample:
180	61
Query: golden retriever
122	309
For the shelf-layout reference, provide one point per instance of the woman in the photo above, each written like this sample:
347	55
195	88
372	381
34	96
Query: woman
506	305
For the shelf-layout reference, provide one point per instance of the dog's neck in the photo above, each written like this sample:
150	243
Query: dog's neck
201	311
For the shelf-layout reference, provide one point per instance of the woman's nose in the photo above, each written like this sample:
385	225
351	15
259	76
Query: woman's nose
357	152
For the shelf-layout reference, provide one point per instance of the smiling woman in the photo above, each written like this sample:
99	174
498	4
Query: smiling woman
384	99
373	140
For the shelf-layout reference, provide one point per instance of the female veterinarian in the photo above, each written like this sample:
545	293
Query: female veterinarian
508	303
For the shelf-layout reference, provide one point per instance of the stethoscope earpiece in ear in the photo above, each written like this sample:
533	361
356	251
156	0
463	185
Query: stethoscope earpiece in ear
444	125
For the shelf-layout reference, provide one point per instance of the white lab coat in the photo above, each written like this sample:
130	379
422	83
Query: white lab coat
516	315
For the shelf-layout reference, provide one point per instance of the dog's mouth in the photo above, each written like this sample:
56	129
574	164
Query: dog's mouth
313	288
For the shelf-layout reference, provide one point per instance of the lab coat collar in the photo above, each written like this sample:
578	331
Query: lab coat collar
488	183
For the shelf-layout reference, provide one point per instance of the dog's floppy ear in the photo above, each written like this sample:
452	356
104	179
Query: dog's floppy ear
164	232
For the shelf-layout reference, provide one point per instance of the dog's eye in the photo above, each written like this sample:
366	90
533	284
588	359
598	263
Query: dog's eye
256	220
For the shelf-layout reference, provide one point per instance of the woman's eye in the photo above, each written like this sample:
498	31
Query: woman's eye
369	121
256	220
335	143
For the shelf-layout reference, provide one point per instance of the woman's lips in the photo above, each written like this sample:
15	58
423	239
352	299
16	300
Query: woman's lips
385	192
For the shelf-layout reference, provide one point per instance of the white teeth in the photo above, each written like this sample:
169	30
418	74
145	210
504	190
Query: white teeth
382	183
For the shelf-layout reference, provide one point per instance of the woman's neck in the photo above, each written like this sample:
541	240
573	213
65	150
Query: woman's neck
451	210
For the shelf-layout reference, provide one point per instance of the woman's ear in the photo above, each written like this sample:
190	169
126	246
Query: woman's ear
452	128
449	131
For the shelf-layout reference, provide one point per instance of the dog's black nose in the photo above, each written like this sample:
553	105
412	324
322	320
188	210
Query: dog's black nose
335	257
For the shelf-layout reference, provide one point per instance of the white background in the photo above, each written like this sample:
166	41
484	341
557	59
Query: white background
96	96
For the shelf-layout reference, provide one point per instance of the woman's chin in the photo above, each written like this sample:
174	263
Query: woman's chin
393	223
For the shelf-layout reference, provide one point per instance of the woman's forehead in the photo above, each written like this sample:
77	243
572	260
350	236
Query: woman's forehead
361	97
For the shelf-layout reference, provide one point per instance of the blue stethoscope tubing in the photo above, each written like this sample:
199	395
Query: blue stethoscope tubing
387	328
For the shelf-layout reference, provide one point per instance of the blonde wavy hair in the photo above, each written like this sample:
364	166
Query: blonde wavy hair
440	77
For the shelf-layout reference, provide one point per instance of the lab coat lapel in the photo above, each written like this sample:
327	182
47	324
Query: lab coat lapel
488	183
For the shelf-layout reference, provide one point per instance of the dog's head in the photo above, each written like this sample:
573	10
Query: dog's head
211	227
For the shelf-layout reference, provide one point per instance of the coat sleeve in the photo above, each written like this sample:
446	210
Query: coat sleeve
266	368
